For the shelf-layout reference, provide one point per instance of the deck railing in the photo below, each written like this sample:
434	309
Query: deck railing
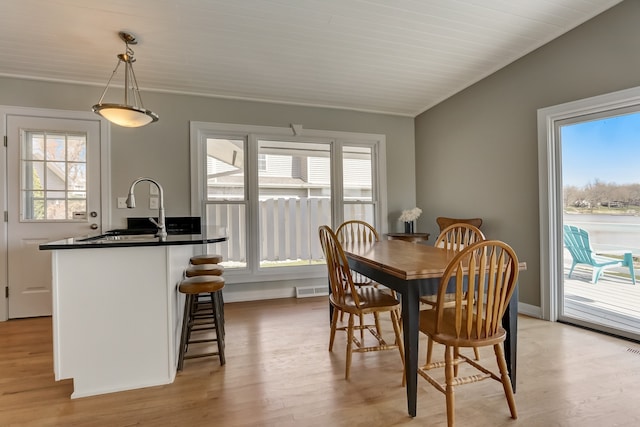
288	229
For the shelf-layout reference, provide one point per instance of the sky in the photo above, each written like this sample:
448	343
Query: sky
607	150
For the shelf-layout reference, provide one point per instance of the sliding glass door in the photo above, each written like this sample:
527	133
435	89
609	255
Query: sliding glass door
600	181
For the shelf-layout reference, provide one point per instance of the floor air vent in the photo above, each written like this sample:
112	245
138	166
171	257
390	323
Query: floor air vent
311	291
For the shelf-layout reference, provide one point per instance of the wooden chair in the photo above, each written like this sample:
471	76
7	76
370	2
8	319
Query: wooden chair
356	301
576	240
475	320
357	231
444	222
454	237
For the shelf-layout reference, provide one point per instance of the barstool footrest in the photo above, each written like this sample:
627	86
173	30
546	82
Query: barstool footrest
195	356
203	341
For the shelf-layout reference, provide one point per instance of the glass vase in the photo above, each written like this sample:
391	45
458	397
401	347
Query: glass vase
408	227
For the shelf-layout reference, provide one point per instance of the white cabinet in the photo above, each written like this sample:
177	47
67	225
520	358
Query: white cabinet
117	316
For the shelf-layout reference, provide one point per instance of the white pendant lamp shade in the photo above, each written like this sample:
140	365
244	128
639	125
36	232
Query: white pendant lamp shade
125	115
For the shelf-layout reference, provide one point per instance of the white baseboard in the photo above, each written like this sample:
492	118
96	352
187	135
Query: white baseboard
240	295
257	295
530	310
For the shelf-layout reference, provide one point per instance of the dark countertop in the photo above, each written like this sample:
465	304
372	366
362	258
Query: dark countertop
128	241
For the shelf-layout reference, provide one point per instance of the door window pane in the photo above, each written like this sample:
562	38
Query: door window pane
50	178
76	149
77	176
55	146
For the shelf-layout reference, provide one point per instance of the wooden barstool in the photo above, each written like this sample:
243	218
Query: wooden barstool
202	300
204	270
196	320
206	259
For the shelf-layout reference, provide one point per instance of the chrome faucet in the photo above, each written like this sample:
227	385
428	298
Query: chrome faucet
131	203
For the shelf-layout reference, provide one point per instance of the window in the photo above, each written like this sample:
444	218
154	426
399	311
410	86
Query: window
53	176
294	199
269	189
358	190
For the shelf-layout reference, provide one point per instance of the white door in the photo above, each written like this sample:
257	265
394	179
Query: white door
53	192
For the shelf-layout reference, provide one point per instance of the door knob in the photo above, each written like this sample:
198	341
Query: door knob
94	226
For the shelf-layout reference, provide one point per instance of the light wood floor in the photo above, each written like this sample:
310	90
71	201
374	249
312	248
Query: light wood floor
279	373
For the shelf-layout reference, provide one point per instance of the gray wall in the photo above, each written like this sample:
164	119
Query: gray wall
161	150
476	153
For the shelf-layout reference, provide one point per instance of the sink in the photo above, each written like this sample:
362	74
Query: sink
130	237
108	238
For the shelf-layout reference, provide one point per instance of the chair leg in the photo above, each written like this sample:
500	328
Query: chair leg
573	265
395	321
220	301
628	261
456	357
334	322
347	370
376	317
186	318
450	377
218	316
399	316
506	381
597	272
476	353
429	349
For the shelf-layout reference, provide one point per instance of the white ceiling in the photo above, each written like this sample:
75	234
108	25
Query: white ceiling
393	56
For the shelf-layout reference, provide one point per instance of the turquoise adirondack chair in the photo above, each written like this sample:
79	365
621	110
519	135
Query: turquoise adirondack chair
576	240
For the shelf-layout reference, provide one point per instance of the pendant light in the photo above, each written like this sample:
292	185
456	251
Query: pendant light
128	115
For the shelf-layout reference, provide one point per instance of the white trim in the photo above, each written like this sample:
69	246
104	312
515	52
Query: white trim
550	192
272	290
529	310
258	295
105	177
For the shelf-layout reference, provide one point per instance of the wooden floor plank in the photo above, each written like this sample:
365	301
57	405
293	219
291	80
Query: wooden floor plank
280	373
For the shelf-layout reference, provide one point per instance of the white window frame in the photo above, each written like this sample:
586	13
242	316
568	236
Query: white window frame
201	131
550	186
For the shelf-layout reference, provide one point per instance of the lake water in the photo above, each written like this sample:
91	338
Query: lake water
609	232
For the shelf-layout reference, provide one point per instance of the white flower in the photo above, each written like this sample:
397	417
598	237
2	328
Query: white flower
410	215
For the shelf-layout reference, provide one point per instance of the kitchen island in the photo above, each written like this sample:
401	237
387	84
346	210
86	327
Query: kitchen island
116	310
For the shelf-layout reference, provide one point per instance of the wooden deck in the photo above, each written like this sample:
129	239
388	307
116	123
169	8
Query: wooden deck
613	303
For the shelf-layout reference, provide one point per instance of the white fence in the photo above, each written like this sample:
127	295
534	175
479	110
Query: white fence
288	229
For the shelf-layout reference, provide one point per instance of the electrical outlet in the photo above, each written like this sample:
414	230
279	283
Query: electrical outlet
153	190
153	203
122	202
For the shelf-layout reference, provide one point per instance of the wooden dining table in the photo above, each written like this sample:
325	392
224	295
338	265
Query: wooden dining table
413	270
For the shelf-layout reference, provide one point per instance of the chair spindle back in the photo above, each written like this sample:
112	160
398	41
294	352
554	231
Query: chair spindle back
481	299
